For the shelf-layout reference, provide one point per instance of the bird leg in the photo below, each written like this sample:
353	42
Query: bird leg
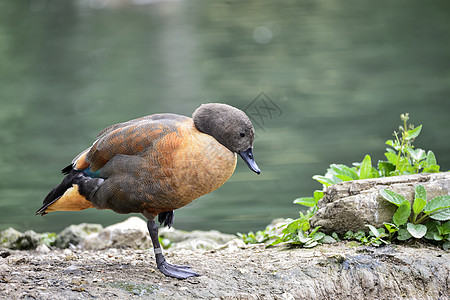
180	272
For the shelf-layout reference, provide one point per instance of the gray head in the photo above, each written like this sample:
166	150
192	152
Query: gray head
229	126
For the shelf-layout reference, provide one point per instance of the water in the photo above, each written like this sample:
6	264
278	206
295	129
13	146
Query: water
339	74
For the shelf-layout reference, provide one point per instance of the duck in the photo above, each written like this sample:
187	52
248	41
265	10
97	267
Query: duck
154	165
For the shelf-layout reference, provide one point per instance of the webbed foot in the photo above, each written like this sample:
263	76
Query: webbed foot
175	271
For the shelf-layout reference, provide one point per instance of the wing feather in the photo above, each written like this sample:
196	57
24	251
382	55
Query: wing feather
131	138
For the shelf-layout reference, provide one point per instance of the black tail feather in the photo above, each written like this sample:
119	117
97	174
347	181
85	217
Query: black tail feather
71	178
67	169
166	218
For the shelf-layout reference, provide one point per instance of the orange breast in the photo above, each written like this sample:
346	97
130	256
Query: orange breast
198	166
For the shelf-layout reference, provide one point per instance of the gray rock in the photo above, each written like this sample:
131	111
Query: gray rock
233	245
43	248
351	205
132	233
13	239
30	240
195	244
74	234
176	236
9	238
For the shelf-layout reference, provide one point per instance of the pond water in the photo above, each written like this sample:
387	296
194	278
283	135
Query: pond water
324	81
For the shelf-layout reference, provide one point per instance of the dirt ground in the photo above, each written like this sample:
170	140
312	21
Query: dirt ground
339	271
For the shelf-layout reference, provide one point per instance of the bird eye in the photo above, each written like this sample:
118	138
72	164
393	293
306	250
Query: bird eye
242	134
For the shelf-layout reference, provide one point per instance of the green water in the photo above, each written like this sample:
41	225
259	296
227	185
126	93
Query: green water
339	74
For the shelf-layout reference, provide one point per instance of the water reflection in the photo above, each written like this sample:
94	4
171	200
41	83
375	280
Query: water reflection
340	72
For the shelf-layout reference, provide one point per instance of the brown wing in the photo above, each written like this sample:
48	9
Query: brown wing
130	138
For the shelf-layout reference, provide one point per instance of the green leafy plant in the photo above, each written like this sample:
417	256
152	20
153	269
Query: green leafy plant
429	219
375	237
48	238
295	235
392	229
402	158
261	236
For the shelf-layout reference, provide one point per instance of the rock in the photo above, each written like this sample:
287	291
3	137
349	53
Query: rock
67	252
194	240
43	248
350	205
132	233
13	239
195	244
4	253
233	245
9	238
74	234
30	240
176	236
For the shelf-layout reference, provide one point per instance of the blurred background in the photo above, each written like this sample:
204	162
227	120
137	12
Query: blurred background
335	77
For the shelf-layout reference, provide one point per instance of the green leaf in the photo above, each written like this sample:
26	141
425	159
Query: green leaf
306	201
437	236
431	169
418	205
392	197
431	229
391	157
402	214
416	231
310	244
344	177
314	230
446	246
318	195
348	235
403	234
325	180
421	192
366	168
390	143
437	203
444	229
373	230
419	199
441	215
413	133
344	171
385	168
402	164
360	234
417	154
318	236
276	242
374	173
391	227
381	232
431	158
335	236
328	240
302	238
392	151
292	227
